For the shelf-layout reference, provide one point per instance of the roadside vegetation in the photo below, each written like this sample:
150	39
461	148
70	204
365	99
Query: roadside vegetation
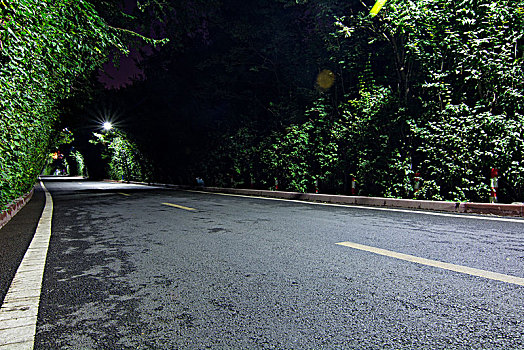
292	92
307	92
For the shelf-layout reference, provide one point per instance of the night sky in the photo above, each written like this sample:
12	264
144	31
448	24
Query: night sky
126	71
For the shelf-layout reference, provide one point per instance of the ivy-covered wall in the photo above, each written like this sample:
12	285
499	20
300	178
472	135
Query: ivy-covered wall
48	52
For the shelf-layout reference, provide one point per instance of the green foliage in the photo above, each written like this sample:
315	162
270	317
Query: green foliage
125	161
375	146
459	150
458	76
63	137
48	51
305	153
80	163
428	86
425	86
471	85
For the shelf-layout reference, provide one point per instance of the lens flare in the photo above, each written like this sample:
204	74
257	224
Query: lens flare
325	79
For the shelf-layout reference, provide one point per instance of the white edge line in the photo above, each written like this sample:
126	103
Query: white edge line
421	211
19	313
435	263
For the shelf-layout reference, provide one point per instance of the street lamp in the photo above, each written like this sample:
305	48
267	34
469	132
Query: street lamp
107	126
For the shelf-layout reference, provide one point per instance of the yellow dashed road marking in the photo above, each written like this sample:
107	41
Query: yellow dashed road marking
178	206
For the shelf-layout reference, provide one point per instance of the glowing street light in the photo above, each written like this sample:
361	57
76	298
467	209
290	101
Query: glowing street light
107	126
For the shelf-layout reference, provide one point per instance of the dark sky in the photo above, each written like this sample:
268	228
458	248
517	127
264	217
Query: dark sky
126	70
115	77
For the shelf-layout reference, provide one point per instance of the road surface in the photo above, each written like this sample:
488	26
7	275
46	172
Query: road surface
135	267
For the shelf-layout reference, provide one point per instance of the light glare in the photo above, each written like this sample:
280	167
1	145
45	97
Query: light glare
107	126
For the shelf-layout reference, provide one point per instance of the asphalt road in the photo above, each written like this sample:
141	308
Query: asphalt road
133	267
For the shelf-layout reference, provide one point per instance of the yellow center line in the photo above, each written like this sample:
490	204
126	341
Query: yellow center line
178	206
124	194
447	266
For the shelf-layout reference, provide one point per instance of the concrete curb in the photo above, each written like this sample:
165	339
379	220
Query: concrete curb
495	209
443	206
14	208
455	207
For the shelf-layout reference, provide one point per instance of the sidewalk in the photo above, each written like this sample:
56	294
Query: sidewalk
16	236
